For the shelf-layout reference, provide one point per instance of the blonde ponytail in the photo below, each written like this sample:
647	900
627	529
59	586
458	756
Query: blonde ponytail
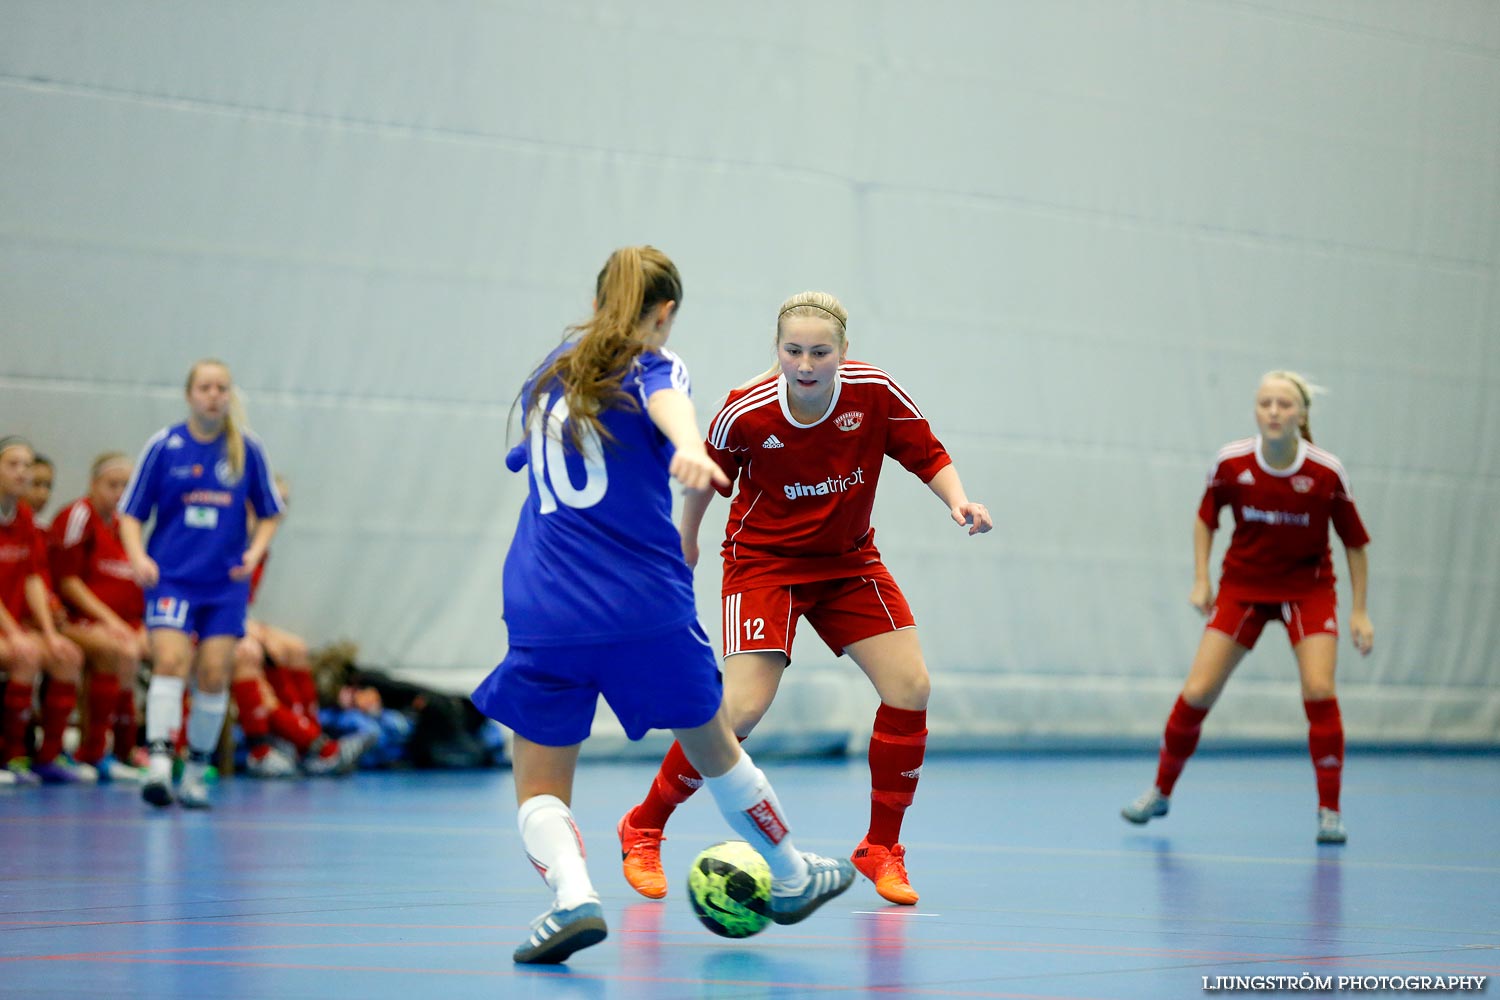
632	282
235	422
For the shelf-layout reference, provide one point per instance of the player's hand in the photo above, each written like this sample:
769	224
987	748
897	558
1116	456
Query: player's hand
975	515
1362	631
57	646
246	568
146	571
1202	597
690	551
696	471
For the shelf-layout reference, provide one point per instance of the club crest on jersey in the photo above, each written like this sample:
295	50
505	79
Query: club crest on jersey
225	473
1246	479
1302	483
849	420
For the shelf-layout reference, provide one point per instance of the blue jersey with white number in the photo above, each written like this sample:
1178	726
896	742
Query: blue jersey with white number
200	531
596	556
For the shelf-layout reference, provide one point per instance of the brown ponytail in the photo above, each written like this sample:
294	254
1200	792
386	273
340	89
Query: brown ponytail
633	281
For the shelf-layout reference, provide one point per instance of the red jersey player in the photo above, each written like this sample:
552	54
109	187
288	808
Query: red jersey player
29	640
806	441
1284	493
105	607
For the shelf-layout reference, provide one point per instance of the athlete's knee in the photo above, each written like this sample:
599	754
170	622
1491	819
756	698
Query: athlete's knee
249	659
1318	689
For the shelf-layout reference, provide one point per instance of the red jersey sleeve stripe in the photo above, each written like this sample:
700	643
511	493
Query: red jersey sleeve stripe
718	430
78	522
869	374
1329	461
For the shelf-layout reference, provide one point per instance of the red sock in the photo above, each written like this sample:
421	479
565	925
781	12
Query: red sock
307	689
17	719
1325	742
124	724
675	781
179	738
897	747
252	711
298	729
104	691
57	707
1178	743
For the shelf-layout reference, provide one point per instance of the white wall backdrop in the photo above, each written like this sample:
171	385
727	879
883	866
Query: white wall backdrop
1076	231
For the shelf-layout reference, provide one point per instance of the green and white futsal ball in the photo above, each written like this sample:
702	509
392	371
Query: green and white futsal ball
729	886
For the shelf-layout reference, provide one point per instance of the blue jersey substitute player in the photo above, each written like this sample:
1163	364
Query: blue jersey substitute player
598	600
197	477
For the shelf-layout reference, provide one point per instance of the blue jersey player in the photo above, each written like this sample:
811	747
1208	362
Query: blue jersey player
197	477
599	600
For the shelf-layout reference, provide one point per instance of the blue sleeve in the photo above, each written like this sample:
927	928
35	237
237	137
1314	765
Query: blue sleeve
515	459
260	488
139	499
659	370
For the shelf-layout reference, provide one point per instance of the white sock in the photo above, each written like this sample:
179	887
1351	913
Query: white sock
555	847
749	805
163	712
206	721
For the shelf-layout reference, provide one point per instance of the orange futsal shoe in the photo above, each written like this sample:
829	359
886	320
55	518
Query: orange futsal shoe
886	867
640	857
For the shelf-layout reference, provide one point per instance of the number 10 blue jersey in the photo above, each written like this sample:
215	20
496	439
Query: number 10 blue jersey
596	557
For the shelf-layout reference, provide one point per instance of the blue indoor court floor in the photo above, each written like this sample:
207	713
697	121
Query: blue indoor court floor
413	885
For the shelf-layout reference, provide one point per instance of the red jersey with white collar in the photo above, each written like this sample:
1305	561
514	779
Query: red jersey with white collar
23	551
802	511
1279	549
81	544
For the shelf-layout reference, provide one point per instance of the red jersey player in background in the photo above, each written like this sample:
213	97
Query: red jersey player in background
30	643
806	441
106	608
39	489
1284	492
275	695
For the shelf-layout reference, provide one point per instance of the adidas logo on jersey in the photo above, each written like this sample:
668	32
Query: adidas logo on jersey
174	441
772	442
1330	624
1246	479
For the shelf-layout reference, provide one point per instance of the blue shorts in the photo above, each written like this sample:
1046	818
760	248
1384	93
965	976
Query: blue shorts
548	693
222	614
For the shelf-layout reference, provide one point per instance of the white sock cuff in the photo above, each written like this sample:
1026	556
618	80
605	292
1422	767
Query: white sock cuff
740	781
218	701
539	804
169	687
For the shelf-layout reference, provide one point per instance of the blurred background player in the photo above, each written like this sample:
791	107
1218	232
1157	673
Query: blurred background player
196	477
30	644
105	609
806	440
39	490
609	424
275	694
1284	492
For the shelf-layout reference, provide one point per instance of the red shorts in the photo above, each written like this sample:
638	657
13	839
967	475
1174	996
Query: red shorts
1311	615
841	611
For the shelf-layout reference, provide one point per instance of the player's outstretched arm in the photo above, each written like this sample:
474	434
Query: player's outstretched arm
673	414
950	489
